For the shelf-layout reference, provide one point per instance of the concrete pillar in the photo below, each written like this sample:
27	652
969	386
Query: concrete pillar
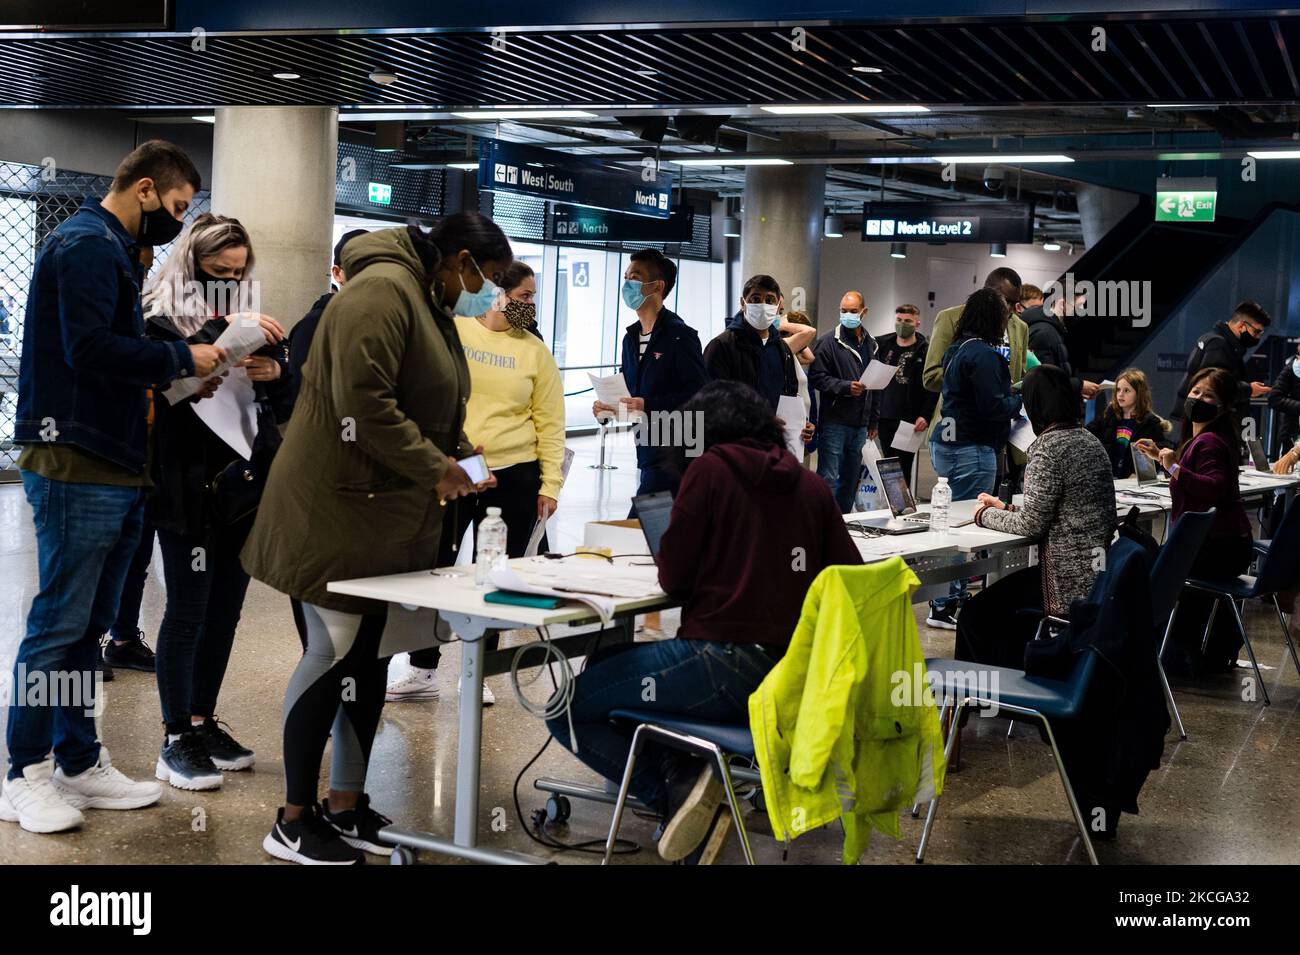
273	169
1101	209
781	228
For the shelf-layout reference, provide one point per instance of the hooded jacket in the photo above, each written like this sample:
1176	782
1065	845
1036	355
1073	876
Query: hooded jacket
1047	341
736	585
381	406
666	377
844	725
736	354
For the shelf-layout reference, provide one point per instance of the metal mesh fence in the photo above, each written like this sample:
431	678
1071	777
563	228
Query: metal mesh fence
34	200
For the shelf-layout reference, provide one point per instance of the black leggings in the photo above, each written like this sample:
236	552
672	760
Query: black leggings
516	494
996	623
337	689
1219	558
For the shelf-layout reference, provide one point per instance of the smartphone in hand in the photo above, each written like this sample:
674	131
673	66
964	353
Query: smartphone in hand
476	467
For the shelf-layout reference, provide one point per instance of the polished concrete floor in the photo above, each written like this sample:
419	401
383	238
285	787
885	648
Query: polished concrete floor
1226	795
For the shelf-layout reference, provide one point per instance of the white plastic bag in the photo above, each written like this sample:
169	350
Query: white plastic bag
870	495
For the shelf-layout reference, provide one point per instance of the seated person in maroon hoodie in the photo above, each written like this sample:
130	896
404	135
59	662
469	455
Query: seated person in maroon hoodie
1203	475
750	529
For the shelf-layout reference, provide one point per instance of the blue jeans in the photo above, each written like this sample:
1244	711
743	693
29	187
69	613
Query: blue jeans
127	623
839	460
971	470
86	535
695	678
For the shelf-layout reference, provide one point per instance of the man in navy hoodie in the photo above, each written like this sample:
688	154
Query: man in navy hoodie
662	362
83	411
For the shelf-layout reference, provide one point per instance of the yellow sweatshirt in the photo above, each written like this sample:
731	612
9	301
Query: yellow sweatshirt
516	400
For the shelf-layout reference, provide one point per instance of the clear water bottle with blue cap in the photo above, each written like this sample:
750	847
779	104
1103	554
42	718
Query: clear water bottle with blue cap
940	500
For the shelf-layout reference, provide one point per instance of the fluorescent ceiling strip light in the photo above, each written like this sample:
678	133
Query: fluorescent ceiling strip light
845	110
1274	153
1001	158
526	114
732	161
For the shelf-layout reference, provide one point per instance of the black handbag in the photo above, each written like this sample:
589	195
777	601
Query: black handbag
236	490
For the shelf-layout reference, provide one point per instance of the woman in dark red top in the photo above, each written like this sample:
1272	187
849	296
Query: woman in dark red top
1203	475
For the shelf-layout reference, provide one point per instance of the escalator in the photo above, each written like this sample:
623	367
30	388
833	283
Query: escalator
1173	257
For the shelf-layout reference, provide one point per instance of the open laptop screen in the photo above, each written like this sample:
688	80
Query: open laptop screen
653	511
894	483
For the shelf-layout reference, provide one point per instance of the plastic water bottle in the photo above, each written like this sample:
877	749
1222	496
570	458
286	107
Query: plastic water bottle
491	545
940	499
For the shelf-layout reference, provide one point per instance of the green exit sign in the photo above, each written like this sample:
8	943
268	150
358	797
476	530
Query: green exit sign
381	193
1186	200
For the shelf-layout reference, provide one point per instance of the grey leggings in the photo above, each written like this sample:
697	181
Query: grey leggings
336	690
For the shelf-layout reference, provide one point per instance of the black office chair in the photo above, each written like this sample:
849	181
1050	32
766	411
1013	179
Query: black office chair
1279	569
1168	575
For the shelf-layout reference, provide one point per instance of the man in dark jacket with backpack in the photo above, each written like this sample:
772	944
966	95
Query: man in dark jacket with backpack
1225	346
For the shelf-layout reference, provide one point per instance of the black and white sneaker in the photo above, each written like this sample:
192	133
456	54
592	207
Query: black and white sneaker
359	827
309	840
185	764
226	752
132	655
945	619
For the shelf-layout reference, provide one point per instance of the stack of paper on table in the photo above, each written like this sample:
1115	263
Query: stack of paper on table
598	584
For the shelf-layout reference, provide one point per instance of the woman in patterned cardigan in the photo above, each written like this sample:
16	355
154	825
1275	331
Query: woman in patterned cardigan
1069	509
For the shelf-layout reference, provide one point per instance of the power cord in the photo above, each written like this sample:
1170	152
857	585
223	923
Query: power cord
558	702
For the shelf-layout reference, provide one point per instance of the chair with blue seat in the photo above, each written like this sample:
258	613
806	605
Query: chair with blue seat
1168	575
1279	569
720	743
1018	694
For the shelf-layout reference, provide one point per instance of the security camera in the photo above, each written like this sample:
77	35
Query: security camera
994	177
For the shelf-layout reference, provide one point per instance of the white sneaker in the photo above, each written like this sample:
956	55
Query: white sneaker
488	698
103	787
416	683
32	801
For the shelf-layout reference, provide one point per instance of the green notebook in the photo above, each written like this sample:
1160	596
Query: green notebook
521	600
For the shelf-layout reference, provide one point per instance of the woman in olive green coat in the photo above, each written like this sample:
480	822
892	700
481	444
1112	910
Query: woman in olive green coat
357	490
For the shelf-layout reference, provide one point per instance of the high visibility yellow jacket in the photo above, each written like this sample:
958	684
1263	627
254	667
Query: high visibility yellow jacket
844	725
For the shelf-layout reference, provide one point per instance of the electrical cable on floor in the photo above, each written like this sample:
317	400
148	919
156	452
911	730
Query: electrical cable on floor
559	702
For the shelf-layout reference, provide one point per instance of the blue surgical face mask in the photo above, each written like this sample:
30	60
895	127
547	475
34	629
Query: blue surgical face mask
850	320
633	297
474	304
1295	367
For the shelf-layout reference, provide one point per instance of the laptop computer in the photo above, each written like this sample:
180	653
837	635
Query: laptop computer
653	511
1145	470
1259	455
905	518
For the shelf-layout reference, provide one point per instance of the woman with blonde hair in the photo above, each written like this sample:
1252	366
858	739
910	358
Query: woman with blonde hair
1128	419
206	493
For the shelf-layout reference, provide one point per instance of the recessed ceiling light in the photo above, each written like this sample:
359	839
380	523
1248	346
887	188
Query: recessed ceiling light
1002	158
204	119
867	69
898	250
383	77
491	114
844	110
287	75
1051	247
647	72
462	165
728	160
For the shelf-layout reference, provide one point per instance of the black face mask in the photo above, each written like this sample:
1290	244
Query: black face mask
1198	411
1247	339
158	227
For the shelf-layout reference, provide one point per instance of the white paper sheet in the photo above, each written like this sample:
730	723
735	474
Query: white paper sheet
789	408
535	538
605	585
1103	385
568	463
907	438
240	339
231	414
1022	434
609	388
877	375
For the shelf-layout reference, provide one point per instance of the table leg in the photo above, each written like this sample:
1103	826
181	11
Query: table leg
470	735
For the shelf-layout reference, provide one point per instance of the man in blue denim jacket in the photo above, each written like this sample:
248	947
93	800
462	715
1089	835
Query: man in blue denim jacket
83	409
